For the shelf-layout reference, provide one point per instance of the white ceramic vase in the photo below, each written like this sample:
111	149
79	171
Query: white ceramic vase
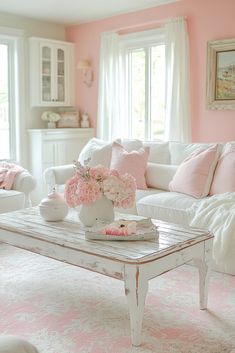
51	125
53	208
101	210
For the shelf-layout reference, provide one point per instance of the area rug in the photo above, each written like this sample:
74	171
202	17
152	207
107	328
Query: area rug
64	309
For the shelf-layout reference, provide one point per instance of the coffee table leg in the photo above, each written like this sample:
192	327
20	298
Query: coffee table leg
136	288
203	265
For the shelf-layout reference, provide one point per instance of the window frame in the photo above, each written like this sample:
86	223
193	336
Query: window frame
14	39
10	43
134	41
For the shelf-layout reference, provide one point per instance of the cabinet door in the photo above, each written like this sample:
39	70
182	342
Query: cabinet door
54	63
60	73
46	77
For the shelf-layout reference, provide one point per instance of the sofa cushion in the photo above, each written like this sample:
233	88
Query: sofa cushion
166	206
140	193
194	175
134	163
11	200
158	152
224	180
131	144
159	175
179	151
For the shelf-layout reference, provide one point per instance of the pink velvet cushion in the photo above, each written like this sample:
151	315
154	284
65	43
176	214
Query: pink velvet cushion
134	163
224	177
194	175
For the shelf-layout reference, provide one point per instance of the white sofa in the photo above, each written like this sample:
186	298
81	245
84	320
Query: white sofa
156	201
19	196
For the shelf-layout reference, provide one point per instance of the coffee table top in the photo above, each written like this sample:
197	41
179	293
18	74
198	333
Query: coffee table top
28	224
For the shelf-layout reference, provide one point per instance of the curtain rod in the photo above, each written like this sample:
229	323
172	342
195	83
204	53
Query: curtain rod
147	24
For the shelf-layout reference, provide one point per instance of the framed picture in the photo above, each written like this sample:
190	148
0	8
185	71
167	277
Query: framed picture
68	119
221	74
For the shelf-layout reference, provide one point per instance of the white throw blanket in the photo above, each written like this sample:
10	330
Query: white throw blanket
217	213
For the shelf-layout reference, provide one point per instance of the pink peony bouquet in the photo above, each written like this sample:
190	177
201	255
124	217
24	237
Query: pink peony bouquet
89	183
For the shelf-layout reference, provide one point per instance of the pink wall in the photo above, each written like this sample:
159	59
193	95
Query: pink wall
207	20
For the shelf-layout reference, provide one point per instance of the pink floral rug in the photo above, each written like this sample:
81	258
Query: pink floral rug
64	309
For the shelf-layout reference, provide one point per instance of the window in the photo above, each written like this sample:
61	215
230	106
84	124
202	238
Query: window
145	72
7	98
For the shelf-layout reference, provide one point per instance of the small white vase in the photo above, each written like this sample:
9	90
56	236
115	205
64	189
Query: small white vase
51	125
53	207
101	210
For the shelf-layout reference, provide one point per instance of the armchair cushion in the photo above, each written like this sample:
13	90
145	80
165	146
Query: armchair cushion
11	200
17	184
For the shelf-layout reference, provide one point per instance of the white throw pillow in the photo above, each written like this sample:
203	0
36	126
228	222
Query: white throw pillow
159	152
159	175
99	152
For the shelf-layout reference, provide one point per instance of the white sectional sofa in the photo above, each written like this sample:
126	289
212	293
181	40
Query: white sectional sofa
157	201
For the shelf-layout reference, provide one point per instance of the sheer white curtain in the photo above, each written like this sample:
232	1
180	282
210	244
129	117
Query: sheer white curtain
178	120
111	119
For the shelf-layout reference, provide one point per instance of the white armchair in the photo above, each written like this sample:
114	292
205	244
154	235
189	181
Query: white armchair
19	196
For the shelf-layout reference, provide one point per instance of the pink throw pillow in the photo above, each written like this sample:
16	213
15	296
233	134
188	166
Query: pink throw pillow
194	175
224	180
134	163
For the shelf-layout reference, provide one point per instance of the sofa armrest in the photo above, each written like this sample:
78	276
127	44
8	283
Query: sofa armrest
25	182
54	176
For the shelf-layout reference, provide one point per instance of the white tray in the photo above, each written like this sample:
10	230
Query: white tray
145	230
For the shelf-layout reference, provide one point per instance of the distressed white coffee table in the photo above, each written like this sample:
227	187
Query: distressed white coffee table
135	263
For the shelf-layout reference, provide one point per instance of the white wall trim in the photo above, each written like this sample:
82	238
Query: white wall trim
9	31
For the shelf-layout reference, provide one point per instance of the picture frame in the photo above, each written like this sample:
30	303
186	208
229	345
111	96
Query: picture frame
68	119
220	91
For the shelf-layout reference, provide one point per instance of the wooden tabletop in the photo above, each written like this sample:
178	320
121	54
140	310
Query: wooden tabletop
70	234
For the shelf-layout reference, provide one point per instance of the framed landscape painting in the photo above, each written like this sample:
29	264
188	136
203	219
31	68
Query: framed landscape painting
221	74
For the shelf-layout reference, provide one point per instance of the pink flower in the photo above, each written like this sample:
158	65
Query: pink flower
90	183
121	190
88	192
71	196
114	172
99	173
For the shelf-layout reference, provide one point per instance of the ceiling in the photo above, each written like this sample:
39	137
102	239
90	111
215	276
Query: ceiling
75	11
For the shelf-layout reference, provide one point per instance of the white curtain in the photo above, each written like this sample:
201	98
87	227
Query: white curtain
178	120
110	119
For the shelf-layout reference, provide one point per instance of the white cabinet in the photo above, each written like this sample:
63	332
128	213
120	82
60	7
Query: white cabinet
51	72
52	147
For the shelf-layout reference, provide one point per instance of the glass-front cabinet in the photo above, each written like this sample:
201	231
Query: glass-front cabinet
51	73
